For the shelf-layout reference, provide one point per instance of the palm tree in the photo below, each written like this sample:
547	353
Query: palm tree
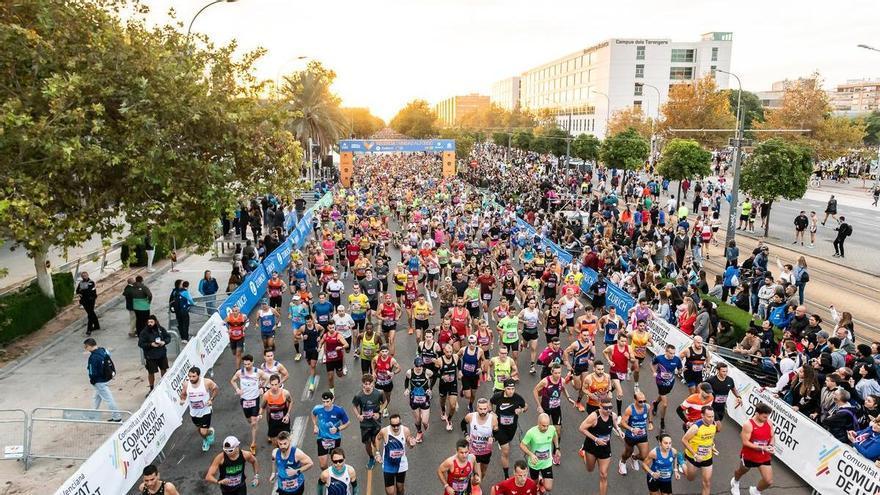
314	109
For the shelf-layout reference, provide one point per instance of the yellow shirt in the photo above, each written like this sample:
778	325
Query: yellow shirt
421	311
639	343
359	303
703	442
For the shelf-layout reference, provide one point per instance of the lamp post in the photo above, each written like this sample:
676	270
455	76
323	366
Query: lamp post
877	173
653	138
189	29
737	163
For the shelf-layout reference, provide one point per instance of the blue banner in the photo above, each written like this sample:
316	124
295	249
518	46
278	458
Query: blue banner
278	260
290	220
396	145
248	294
621	300
590	277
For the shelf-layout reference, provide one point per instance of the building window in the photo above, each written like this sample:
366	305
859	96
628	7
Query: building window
683	55
715	54
712	70
638	90
681	73
640	71
637	104
640	53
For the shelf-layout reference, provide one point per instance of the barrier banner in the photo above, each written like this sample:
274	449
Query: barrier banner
326	201
248	294
663	333
278	260
290	220
590	277
620	299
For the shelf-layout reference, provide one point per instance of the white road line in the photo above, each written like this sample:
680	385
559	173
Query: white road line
298	430
181	459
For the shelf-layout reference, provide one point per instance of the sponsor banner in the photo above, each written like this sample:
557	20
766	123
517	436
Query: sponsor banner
248	294
326	200
395	145
117	464
664	333
290	220
590	278
620	299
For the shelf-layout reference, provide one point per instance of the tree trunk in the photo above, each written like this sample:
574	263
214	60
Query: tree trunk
44	278
678	196
767	226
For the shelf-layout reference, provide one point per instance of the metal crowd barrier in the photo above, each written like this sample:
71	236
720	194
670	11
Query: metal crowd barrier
755	367
13	433
67	433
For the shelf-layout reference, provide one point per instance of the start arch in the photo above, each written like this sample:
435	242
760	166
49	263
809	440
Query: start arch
349	147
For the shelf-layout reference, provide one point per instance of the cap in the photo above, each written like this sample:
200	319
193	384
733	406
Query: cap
230	442
823	334
510	382
266	301
472	339
418	361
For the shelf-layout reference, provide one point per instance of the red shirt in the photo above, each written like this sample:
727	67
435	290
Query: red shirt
486	282
508	487
760	435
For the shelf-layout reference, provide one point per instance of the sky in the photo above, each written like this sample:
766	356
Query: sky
389	52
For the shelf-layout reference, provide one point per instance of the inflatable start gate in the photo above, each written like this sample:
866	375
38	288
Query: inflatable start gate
348	147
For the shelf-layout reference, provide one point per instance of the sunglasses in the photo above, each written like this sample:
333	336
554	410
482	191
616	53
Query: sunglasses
607	408
396	426
338	461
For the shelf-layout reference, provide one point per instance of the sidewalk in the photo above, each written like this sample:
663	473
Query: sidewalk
55	375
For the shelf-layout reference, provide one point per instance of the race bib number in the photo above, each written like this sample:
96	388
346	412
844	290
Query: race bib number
248	403
332	355
542	455
277	415
396	453
470	368
554	402
506	420
328	444
290	484
487	296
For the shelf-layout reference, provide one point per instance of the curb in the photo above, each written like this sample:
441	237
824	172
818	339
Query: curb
75	326
773	241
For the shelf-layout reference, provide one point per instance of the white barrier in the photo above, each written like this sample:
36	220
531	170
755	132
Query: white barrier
828	465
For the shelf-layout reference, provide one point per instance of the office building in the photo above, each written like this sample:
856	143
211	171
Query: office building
451	110
585	87
855	96
505	93
772	100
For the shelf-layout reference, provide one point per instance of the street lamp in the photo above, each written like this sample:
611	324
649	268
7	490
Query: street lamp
737	162
653	138
189	29
866	47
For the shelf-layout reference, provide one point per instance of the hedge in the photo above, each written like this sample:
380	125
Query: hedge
737	318
27	310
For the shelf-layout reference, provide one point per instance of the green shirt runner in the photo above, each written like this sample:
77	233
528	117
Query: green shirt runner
509	326
541	444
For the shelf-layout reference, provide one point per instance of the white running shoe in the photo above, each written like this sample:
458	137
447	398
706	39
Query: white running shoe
754	491
635	463
734	486
621	468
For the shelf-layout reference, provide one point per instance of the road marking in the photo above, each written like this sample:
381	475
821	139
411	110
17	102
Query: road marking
181	459
298	430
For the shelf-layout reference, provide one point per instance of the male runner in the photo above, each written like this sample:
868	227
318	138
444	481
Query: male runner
448	388
368	406
276	406
227	469
578	357
152	483
389	313
200	393
268	320
666	366
758	445
247	383
479	428
288	465
548	395
458	473
597	428
503	367
417	389
394	439
620	358
508	406
699	447
328	421
470	359
340	478
635	422
541	447
695	357
334	346
722	385
519	484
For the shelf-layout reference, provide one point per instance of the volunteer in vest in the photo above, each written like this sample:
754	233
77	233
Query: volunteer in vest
509	405
328	421
393	441
276	405
268	321
338	479
235	326
152	483
635	422
758	444
368	408
699	449
479	428
275	288
247	383
722	386
519	483
548	396
199	394
458	473
597	429
620	357
288	465
368	344
541	447
417	390
578	356
334	346
661	465
228	469
530	316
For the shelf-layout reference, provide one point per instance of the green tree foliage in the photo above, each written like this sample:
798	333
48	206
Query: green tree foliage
360	123
777	169
550	140
495	117
753	110
314	108
586	147
105	124
464	141
500	138
523	140
872	129
684	159
626	151
416	120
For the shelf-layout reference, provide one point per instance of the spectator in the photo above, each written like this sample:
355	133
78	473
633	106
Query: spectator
208	288
804	392
786	378
801	278
101	370
843	320
141	298
813	328
768	339
867	440
88	297
731	254
235	279
866	381
687	316
750	345
838	355
179	304
127	293
153	339
870	410
841	417
150	250
703	324
717	289
844	230
826	397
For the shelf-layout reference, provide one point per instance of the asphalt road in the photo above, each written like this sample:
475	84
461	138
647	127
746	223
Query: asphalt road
185	464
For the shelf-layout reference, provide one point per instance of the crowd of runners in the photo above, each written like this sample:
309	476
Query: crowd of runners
485	304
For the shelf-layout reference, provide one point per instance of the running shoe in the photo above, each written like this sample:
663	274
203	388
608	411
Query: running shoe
753	490
621	468
635	463
298	356
532	369
734	486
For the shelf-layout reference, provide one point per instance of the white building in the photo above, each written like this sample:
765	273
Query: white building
505	93
585	87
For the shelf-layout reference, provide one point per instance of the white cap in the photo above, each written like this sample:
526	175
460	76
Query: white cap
340	308
231	442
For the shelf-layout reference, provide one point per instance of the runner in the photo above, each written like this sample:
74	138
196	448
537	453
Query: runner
448	388
578	357
636	422
758	445
272	367
508	407
275	288
548	395
612	323
360	305
276	406
695	357
152	484
691	409
552	354
661	465
368	406
389	313
699	447
460	319
503	367
297	312
508	329
640	339
570	305
458	473
422	312
268	320
394	439
227	469
429	350
588	322
666	366
384	369
597	387
479	428
530	316
333	344
417	389
289	464
553	321
597	429
372	287
247	383
340	478
470	359
236	323
345	325
368	344
335	288
328	421
722	385
310	336
519	484
541	447
200	393
620	358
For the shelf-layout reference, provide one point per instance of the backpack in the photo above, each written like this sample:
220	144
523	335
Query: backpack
805	277
108	368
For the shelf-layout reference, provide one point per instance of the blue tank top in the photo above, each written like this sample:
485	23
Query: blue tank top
662	465
267	323
582	358
394	456
310	338
413	263
637	420
287	483
611	328
469	363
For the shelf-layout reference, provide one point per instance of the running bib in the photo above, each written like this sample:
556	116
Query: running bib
248	403
470	368
554	402
506	420
542	455
290	484
332	355
276	414
328	444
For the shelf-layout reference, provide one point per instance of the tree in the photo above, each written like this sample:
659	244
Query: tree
586	147
753	110
314	108
684	159
523	140
872	129
416	120
500	138
699	105
625	151
630	117
837	137
777	168
553	140
464	141
360	123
